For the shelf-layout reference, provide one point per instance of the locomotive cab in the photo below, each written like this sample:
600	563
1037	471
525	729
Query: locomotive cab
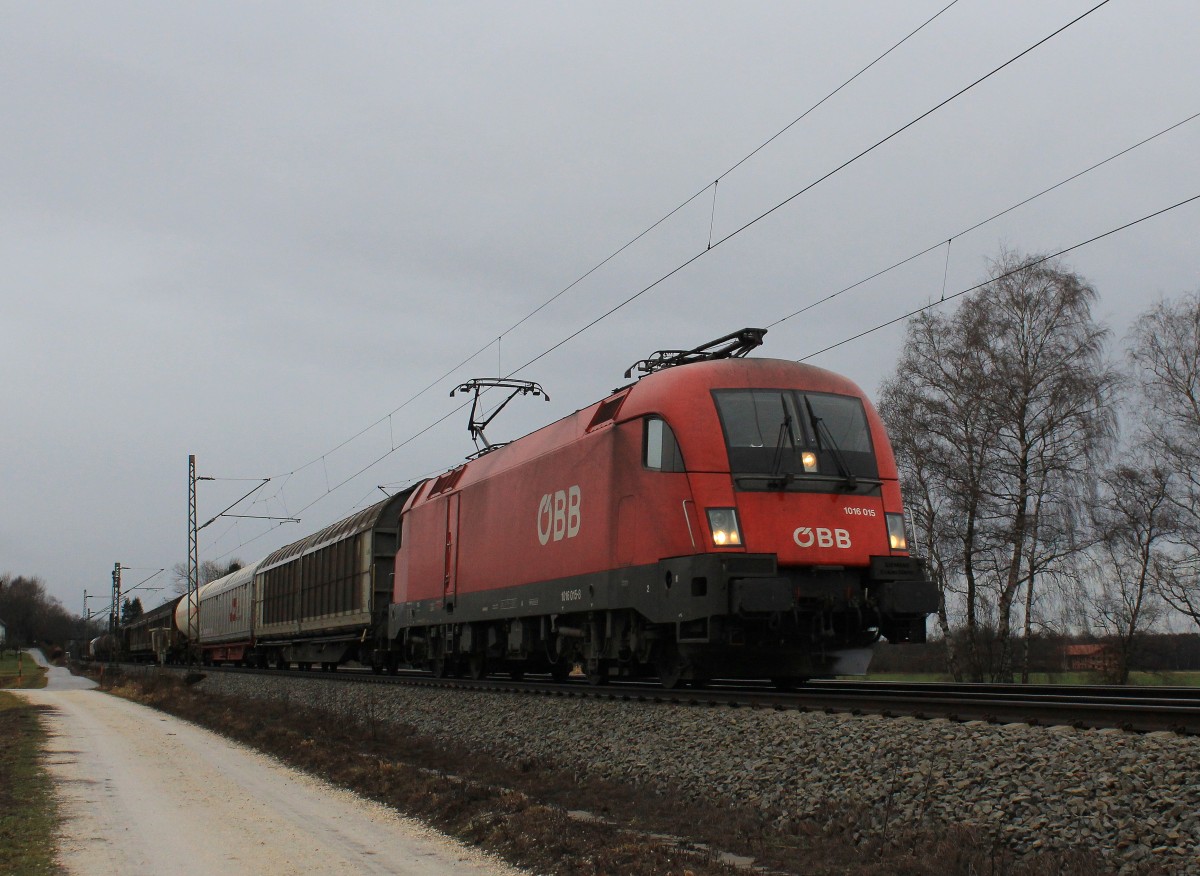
801	558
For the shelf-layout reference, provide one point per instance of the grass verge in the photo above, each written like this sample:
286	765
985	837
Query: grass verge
27	812
522	812
20	672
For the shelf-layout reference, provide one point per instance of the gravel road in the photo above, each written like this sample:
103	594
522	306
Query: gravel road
144	793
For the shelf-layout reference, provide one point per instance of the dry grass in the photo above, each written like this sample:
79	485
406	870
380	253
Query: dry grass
27	812
521	813
20	672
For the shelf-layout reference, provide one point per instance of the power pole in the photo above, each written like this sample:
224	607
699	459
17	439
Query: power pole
114	618
193	596
193	587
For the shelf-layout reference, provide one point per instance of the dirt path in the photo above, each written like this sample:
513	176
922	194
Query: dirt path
59	677
144	793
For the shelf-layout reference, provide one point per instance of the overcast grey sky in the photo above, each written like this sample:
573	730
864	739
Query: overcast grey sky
249	231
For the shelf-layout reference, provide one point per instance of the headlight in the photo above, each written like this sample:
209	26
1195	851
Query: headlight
897	538
724	525
809	459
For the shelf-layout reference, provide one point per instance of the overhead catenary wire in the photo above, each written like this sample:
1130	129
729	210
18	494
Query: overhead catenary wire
713	185
737	231
809	187
981	223
946	269
862	334
1024	267
654	225
357	474
657	223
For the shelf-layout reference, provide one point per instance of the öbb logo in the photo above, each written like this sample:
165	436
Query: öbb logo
558	515
806	536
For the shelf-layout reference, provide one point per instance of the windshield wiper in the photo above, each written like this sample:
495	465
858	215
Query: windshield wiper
818	424
785	428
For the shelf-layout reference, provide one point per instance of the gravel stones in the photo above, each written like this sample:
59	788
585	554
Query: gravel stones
1133	799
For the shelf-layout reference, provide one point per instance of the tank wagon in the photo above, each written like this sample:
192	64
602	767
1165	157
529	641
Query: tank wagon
103	648
155	637
721	516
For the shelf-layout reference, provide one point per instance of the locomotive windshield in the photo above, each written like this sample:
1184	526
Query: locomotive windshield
788	437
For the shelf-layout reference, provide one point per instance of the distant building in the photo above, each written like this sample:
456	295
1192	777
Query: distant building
1090	658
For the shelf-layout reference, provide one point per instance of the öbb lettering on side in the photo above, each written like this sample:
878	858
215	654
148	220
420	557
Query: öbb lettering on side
558	515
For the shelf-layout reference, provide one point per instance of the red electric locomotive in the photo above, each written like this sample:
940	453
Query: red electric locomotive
721	517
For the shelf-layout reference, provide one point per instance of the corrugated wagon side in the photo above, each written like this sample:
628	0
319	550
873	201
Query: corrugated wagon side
324	599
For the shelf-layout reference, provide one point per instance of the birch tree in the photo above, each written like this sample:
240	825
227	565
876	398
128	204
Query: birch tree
1165	351
999	412
1135	521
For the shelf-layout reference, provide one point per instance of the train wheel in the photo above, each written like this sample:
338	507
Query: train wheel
516	674
669	666
477	666
437	666
599	675
561	671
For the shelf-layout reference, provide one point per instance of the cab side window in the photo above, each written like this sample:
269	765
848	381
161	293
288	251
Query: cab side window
660	449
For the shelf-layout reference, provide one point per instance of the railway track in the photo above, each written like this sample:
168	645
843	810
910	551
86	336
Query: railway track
1133	709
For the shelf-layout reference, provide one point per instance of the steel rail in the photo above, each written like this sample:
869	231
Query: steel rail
1133	709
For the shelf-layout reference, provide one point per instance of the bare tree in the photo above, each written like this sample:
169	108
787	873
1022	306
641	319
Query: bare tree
1135	520
1054	416
937	421
998	410
209	570
31	614
1165	351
